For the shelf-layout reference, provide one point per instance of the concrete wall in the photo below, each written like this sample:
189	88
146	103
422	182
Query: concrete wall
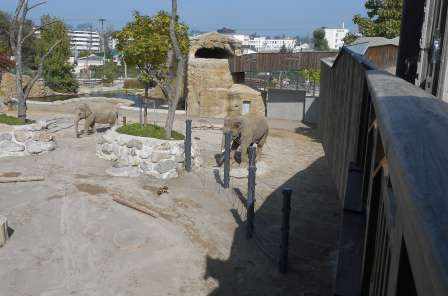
292	105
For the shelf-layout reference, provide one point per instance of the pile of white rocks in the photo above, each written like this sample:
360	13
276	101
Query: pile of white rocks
26	140
160	159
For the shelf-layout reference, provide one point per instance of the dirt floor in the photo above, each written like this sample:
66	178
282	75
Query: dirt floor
70	238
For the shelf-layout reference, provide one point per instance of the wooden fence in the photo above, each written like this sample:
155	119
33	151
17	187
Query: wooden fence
271	62
386	144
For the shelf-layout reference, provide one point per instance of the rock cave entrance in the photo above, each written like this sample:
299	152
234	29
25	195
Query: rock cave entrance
213	53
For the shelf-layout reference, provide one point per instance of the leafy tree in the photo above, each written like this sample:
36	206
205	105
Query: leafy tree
145	42
17	39
284	49
29	45
57	72
108	72
320	42
350	38
83	53
383	18
158	46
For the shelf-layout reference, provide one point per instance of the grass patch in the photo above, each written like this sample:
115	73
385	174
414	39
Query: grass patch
11	120
148	131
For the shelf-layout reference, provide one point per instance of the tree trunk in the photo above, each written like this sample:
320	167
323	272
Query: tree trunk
180	72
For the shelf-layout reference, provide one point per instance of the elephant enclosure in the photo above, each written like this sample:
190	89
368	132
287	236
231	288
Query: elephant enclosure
70	237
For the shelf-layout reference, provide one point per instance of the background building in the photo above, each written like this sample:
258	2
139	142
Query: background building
85	40
265	44
335	36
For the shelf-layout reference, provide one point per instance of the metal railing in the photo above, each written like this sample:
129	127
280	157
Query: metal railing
386	145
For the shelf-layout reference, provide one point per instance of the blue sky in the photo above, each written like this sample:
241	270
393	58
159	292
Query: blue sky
271	17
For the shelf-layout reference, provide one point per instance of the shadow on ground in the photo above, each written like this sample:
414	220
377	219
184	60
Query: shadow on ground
252	267
309	130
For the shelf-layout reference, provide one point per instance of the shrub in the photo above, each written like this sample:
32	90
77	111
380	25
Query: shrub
148	131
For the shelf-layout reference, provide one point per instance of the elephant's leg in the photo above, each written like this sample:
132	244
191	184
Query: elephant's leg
245	151
89	124
260	146
76	127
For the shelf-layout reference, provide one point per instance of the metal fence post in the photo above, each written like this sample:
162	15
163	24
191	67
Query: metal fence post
140	110
251	192
284	245
227	143
188	146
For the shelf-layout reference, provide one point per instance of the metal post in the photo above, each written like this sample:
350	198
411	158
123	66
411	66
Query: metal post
227	143
283	262
140	110
188	146
251	192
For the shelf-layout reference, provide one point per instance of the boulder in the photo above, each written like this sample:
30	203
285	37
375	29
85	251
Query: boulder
165	166
135	144
8	87
37	147
22	136
43	137
10	147
5	137
158	156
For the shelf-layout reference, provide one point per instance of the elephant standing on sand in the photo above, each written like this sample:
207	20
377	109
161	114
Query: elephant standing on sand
91	118
246	130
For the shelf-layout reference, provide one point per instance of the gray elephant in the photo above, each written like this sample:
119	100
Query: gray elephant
91	118
246	130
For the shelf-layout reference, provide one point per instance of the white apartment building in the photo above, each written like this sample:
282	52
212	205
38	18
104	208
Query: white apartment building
263	44
85	40
335	37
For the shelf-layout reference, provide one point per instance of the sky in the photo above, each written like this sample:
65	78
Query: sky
268	17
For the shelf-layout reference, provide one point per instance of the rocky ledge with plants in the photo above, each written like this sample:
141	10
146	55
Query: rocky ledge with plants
137	150
26	138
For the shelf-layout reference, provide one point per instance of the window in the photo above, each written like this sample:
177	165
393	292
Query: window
246	107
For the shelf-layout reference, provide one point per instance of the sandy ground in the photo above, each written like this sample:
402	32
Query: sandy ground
70	238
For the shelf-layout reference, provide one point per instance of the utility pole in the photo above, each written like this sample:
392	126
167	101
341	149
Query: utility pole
102	20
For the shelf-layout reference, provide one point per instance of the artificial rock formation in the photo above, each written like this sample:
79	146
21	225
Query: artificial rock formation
160	159
8	89
211	88
26	140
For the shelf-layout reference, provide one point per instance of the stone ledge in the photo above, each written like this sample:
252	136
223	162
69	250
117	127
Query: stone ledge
31	139
160	159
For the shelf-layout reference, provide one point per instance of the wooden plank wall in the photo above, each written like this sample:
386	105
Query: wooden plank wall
270	62
342	88
393	135
412	125
384	57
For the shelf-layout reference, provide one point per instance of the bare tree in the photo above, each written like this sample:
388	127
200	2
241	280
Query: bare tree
176	73
16	40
